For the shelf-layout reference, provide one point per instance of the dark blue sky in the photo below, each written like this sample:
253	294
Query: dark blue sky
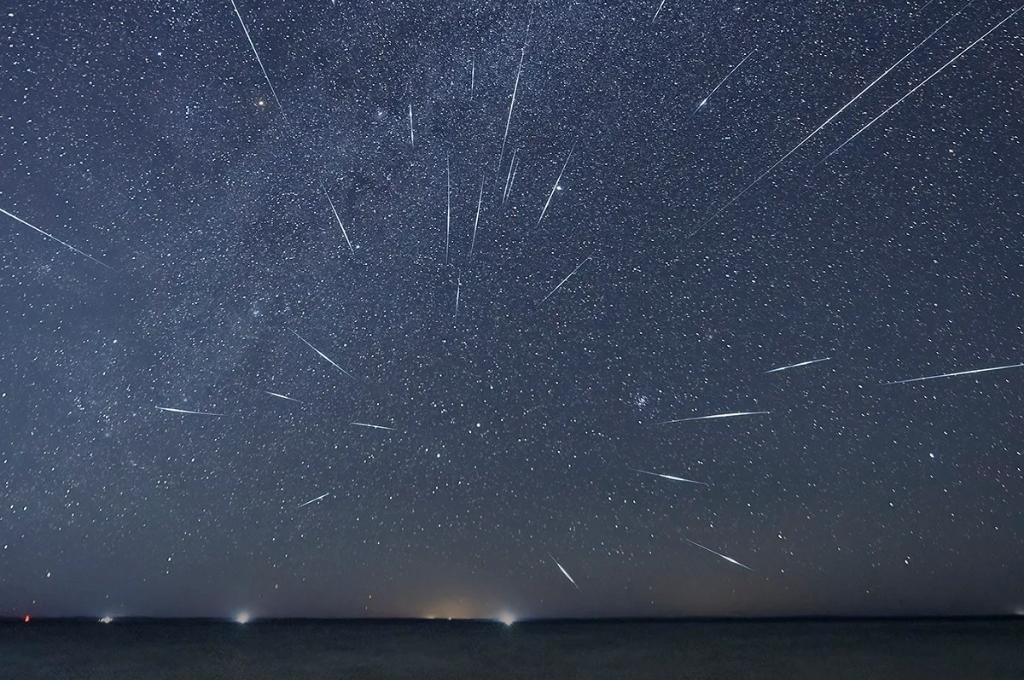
525	428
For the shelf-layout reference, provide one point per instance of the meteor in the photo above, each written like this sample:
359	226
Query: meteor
258	60
951	375
323	356
314	500
724	557
54	238
281	396
802	363
674	479
564	572
714	417
191	413
371	425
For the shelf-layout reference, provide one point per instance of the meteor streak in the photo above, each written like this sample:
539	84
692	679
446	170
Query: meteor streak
657	11
258	60
343	232
191	413
564	572
282	396
713	417
458	291
314	500
674	479
818	129
951	375
371	425
508	179
323	356
412	137
703	102
724	557
562	282
802	363
919	85
544	210
448	218
54	238
476	221
512	105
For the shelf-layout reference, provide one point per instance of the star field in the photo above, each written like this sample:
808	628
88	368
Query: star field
261	371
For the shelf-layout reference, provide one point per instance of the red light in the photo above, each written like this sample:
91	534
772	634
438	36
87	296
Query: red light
27	618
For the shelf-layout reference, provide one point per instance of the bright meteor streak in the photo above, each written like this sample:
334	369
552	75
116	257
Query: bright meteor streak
714	417
371	425
802	363
724	557
564	572
951	375
314	500
281	396
673	478
54	238
323	356
191	413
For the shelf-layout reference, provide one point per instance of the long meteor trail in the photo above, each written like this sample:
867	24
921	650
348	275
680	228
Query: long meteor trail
191	413
54	238
323	356
476	221
802	363
335	211
448	216
724	557
704	102
512	104
508	179
952	375
564	572
562	282
371	425
282	396
818	129
715	417
558	181
657	11
458	292
673	478
412	135
314	500
918	86
258	60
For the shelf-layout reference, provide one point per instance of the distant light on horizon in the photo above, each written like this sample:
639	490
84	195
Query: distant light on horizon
107	619
242	618
508	618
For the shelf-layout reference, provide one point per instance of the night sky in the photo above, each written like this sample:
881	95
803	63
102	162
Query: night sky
395	419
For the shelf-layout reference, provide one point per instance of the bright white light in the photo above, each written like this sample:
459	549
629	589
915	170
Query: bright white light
107	619
507	618
243	617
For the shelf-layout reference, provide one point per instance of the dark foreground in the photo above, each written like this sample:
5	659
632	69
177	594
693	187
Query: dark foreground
298	650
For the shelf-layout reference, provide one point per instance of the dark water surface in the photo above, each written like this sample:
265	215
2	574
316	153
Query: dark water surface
317	649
